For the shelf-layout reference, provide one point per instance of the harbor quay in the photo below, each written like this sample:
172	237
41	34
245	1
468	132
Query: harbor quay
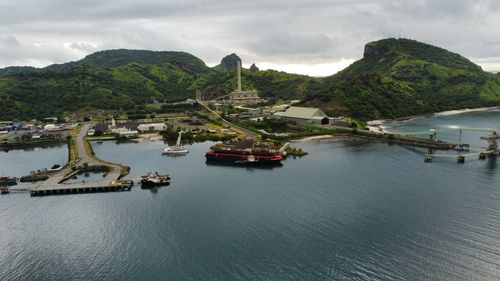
84	187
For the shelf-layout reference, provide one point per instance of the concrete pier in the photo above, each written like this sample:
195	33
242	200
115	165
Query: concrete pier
86	187
56	185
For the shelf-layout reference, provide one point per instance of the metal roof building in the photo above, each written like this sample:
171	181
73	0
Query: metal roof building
309	115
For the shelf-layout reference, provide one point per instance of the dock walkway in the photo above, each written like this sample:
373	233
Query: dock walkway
110	182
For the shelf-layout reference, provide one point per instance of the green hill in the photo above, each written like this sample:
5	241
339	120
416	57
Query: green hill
271	84
228	63
401	77
35	95
127	79
115	79
120	57
395	78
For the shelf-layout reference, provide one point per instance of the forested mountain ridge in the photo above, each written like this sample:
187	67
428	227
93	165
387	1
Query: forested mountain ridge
127	79
395	78
402	77
120	57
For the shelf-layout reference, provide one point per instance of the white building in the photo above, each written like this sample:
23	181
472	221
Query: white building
303	115
152	127
51	127
128	133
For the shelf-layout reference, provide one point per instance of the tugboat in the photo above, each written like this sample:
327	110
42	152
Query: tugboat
4	190
482	156
428	157
153	179
178	149
245	152
6	180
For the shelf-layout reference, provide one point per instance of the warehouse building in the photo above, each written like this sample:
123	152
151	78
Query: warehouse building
303	115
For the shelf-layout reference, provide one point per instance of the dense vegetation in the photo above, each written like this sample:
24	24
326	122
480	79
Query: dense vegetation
401	77
395	78
126	80
39	95
120	57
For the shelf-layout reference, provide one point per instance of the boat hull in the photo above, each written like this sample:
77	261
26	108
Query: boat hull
153	179
149	184
8	181
175	152
242	159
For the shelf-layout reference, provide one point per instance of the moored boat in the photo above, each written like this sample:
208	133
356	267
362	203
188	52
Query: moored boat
177	149
153	179
7	180
244	152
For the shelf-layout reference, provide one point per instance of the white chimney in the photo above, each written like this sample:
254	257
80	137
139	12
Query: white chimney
238	65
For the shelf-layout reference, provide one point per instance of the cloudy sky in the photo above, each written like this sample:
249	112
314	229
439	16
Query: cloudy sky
314	37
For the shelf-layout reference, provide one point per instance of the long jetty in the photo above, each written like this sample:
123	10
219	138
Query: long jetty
55	184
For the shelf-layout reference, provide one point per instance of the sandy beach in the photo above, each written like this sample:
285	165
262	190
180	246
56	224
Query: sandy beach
148	138
343	137
314	138
377	126
466	110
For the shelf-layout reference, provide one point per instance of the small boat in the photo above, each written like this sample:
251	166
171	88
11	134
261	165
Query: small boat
428	157
177	149
6	180
153	179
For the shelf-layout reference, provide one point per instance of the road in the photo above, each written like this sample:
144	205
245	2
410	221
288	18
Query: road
111	177
91	159
234	127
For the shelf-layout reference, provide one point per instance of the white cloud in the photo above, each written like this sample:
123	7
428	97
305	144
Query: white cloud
308	35
315	70
489	64
16	52
82	47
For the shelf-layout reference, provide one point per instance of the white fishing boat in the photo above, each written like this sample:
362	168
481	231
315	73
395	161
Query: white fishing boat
177	149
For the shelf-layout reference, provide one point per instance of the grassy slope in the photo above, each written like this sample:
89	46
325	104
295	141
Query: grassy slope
403	77
270	84
395	78
41	95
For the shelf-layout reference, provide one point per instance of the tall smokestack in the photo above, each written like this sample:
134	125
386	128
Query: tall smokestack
238	65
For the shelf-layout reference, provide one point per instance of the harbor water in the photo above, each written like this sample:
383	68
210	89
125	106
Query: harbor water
346	211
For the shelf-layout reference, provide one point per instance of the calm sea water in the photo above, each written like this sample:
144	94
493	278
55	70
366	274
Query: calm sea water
347	211
21	162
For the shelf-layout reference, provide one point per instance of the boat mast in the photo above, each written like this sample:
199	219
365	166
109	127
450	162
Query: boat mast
179	139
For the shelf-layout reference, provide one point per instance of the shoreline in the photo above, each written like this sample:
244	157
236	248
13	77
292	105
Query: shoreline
465	110
33	144
340	137
314	138
376	126
380	138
